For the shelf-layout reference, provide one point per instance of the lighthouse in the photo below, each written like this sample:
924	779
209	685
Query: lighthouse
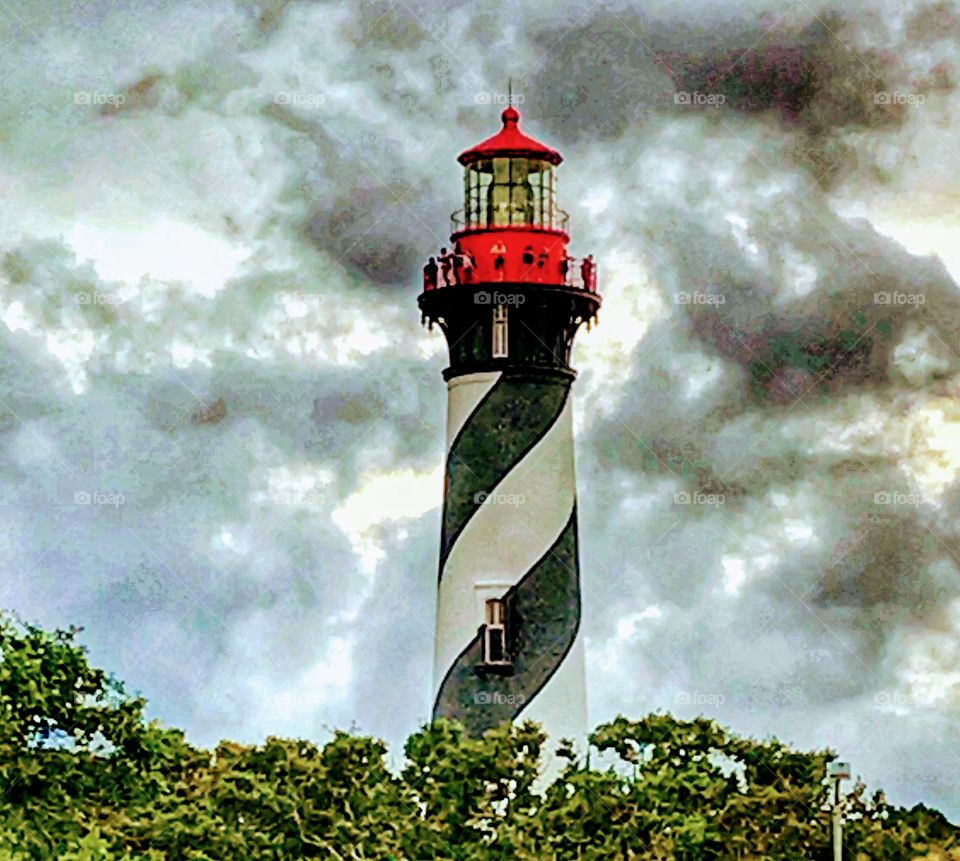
509	300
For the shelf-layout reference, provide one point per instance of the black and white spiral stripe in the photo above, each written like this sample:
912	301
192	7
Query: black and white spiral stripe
509	530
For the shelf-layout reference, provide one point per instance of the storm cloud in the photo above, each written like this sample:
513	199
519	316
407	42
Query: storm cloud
214	218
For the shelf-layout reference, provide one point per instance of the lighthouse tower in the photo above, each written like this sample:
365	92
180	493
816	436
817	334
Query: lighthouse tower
509	300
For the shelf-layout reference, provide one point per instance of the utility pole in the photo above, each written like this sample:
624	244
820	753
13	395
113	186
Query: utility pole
838	771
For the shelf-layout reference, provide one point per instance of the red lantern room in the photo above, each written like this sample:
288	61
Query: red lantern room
509	179
510	227
509	239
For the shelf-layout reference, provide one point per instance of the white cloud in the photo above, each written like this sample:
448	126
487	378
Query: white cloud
237	253
384	498
163	250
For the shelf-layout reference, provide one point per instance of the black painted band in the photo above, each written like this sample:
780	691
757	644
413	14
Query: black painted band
508	422
543	609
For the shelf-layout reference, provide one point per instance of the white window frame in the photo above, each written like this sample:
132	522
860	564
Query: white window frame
492	590
499	346
494	626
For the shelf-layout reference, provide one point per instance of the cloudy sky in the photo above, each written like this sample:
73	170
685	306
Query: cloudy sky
223	425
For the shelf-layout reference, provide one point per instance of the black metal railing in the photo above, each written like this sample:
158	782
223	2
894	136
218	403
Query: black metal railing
513	216
454	270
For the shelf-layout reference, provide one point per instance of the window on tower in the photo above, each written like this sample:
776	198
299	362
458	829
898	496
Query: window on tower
499	350
495	635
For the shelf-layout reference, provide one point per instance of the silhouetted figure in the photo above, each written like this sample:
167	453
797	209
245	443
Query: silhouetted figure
457	263
527	258
445	266
564	268
588	271
430	274
469	266
498	249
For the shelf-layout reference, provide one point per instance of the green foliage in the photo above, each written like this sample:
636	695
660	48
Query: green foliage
85	777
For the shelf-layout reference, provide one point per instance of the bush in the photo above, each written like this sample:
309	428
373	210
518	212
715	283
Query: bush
85	777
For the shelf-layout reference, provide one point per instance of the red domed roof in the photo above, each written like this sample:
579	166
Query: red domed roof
510	141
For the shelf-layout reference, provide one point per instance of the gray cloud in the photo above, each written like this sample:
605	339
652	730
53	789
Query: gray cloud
310	150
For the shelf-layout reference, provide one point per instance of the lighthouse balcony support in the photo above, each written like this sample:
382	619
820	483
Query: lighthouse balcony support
515	328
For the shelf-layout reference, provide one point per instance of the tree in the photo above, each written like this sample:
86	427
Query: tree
85	777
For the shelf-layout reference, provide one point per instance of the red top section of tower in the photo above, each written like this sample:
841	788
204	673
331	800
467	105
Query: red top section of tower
510	142
511	229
